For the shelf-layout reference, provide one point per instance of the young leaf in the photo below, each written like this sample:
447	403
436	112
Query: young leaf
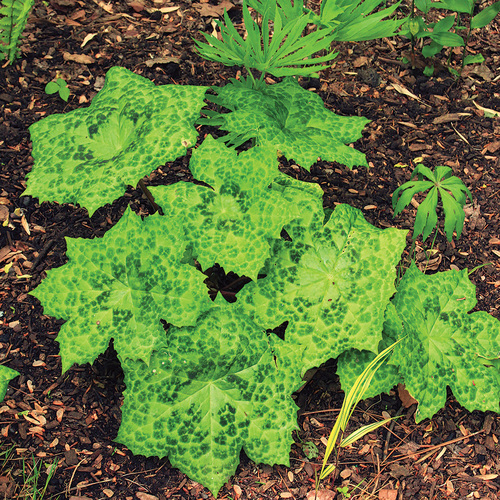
485	16
211	391
443	342
89	156
232	221
473	59
464	6
6	375
119	287
447	39
291	120
440	181
332	292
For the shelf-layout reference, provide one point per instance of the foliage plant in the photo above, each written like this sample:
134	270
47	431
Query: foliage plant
275	42
206	379
13	17
441	182
58	87
451	31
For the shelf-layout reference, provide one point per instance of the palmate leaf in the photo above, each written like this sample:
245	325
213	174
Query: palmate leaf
232	221
287	52
119	287
333	292
89	156
453	194
352	362
291	120
212	390
6	375
444	344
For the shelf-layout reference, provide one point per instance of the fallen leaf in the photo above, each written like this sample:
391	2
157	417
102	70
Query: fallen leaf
208	10
87	39
145	496
78	58
486	477
406	398
162	60
489	113
321	495
386	494
493	241
360	61
449	117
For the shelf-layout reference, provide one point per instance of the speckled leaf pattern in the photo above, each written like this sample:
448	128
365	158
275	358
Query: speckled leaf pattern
351	363
292	120
230	222
6	375
212	390
333	292
89	156
444	342
119	287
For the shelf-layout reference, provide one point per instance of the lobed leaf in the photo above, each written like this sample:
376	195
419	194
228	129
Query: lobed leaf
333	292
212	390
231	221
6	375
119	287
352	362
291	120
443	344
89	156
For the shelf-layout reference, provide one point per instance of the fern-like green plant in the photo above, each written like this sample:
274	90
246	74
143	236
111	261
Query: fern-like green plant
13	17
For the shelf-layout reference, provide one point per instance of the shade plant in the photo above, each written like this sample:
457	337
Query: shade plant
206	378
452	30
13	17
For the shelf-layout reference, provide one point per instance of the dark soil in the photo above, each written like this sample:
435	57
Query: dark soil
72	419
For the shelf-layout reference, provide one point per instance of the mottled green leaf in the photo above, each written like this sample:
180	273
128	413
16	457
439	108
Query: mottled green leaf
444	343
292	120
333	292
352	362
232	221
6	375
90	155
119	287
212	390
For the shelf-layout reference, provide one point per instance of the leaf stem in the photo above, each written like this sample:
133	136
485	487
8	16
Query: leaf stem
149	196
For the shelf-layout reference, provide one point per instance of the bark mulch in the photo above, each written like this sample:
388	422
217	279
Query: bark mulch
71	419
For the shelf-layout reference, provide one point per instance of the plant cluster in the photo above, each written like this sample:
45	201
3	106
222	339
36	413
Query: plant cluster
13	17
451	31
216	379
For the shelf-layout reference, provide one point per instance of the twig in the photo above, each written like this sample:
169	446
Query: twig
389	432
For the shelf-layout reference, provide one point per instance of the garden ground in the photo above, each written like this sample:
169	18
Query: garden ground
71	420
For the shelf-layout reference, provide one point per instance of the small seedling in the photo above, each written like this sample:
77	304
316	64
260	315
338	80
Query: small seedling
59	86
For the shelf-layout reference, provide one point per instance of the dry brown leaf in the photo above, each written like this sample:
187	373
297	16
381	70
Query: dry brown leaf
360	61
406	398
78	58
449	117
208	10
493	241
386	494
486	477
321	495
145	496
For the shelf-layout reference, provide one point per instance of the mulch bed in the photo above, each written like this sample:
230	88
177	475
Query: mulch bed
72	419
